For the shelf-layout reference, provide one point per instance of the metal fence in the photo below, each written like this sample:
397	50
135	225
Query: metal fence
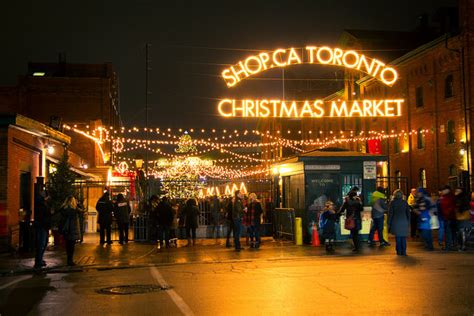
284	223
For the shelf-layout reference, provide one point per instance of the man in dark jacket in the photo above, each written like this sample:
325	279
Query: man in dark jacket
42	225
122	214
105	208
165	220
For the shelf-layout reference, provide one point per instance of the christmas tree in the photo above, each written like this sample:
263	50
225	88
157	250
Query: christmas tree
60	185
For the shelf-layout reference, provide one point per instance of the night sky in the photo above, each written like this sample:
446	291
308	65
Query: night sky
191	42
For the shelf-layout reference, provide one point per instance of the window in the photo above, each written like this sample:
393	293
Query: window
448	86
450	135
419	97
396	145
422	178
420	143
398	176
453	171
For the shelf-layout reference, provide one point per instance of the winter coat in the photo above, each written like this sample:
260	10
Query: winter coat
379	206
328	224
237	208
191	213
255	210
165	214
70	227
448	206
399	218
122	212
105	208
423	206
353	208
42	213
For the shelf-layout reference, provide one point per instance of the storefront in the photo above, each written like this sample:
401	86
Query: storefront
304	183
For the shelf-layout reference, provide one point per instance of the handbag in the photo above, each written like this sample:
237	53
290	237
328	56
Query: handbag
349	223
434	221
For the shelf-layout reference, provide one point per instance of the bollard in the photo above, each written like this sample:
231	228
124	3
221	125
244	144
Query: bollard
298	231
385	227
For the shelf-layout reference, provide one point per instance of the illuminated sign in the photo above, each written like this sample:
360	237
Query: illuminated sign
323	55
309	108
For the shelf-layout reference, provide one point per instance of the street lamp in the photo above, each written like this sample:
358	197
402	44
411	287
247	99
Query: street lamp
139	163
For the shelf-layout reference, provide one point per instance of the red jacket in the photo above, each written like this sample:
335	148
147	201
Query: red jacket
448	206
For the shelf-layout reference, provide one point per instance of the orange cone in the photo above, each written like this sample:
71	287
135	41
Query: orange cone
376	236
315	240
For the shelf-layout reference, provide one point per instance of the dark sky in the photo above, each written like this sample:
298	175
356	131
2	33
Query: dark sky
191	40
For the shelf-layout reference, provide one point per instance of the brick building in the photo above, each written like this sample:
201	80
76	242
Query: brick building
32	115
85	95
28	150
435	80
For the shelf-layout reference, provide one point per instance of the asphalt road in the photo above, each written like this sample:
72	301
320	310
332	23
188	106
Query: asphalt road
425	283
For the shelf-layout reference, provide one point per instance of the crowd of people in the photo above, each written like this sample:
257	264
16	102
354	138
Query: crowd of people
449	212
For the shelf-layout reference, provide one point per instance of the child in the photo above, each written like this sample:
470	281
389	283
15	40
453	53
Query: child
328	224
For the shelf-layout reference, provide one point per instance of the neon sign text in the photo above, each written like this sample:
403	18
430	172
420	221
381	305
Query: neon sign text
323	55
309	108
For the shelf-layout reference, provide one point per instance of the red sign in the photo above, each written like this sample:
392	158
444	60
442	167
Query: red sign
375	146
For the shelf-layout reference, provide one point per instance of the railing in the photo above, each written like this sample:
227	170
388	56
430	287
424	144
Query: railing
284	223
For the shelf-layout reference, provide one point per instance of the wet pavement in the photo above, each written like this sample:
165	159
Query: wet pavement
209	279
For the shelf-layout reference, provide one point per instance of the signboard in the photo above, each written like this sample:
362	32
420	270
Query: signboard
322	55
313	108
309	108
322	167
370	170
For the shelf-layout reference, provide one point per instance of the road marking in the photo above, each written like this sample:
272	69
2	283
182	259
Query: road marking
15	281
178	300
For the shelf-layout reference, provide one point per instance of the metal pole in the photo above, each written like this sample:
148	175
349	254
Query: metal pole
147	45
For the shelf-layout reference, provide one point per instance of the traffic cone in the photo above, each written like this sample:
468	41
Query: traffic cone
315	240
376	236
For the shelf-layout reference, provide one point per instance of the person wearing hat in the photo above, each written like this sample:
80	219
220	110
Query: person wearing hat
255	210
328	224
105	209
379	208
422	208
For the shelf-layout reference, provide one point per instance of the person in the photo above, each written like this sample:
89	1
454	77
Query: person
463	217
237	214
42	225
122	214
328	225
353	207
379	208
422	208
447	208
105	209
82	217
215	216
229	221
399	221
255	210
414	217
153	217
70	227
165	220
441	230
191	213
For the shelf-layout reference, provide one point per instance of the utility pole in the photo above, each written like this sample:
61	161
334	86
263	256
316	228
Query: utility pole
147	68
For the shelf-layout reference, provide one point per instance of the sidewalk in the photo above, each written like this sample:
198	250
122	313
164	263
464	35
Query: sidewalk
92	255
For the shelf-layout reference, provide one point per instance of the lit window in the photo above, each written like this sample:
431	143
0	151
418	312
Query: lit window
422	178
420	143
